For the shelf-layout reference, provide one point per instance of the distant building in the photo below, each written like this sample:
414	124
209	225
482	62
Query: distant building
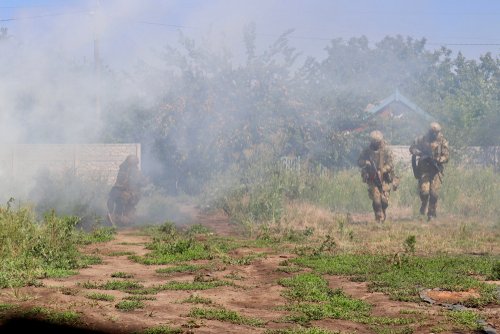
398	118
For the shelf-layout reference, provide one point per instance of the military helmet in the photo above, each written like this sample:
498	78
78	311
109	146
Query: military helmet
435	127
376	136
132	160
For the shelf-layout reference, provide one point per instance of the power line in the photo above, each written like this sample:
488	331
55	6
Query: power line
42	16
177	26
166	25
466	44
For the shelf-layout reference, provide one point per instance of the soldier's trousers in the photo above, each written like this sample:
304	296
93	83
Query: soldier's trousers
429	185
380	201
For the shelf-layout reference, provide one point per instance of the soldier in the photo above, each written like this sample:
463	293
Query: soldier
126	192
429	153
377	170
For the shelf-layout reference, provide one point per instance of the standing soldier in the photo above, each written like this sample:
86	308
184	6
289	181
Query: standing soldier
377	170
429	153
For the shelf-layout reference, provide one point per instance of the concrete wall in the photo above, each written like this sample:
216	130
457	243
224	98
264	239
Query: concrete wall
487	156
84	160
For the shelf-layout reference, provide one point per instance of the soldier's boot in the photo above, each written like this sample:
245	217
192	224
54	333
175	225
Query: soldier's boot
379	217
423	208
431	213
384	209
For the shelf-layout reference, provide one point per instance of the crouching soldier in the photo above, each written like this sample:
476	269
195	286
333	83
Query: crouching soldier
377	170
126	192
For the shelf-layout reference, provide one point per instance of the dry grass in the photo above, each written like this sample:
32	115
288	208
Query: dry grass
359	233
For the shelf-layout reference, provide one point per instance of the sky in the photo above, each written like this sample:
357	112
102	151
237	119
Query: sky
132	30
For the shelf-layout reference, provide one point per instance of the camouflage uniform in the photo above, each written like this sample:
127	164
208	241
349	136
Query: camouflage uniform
381	156
432	152
126	192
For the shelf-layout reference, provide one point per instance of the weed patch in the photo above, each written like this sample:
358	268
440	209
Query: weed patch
129	305
465	319
403	280
120	253
242	261
173	285
182	268
96	235
56	317
193	299
32	249
312	299
139	297
222	314
162	330
300	330
121	274
100	296
6	307
113	285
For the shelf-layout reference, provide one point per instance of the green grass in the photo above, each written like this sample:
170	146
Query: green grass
234	276
403	280
173	285
56	317
97	235
113	285
242	261
193	299
164	329
465	319
120	253
139	297
224	315
170	246
265	200
300	330
182	268
311	299
289	269
173	247
34	248
100	296
121	274
6	307
129	305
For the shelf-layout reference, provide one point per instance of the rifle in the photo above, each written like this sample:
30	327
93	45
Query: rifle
376	178
438	168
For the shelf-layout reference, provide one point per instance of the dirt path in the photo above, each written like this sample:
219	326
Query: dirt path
256	292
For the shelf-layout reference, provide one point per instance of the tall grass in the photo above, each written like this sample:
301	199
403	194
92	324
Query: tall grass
465	192
31	249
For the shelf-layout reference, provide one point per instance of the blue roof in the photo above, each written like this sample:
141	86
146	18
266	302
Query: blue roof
398	97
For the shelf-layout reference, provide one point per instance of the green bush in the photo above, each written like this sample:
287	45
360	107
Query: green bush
33	249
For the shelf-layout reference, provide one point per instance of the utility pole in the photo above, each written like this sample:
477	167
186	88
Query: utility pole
97	57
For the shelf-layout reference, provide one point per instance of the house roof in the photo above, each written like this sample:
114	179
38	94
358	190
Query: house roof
398	97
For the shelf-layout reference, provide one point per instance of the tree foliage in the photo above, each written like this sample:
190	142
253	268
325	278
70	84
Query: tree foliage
202	111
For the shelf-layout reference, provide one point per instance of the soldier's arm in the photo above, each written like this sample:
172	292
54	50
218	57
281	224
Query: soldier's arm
415	148
445	152
388	162
363	159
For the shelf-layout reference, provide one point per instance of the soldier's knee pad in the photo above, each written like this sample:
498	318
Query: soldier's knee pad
433	194
424	189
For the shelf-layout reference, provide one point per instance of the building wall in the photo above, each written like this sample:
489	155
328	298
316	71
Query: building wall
84	160
487	156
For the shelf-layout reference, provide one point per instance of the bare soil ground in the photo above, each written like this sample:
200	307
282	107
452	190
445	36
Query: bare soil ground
256	294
